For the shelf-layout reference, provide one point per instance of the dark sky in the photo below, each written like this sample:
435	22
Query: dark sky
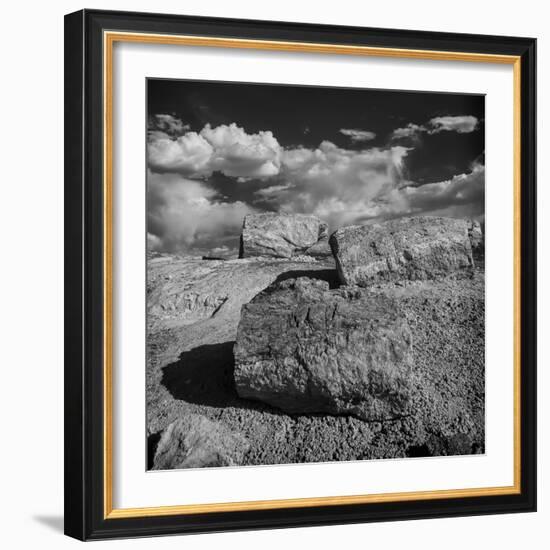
347	155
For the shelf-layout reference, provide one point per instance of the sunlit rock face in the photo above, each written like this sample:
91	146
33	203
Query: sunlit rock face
281	235
408	248
305	348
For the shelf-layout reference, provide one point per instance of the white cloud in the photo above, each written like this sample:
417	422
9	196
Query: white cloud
243	155
189	155
463	192
227	149
185	213
272	191
358	135
409	131
461	124
345	187
339	185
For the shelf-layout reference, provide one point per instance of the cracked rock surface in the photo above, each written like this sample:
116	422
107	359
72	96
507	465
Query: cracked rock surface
422	247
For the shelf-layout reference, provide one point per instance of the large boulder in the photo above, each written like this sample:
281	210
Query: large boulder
280	235
304	348
194	441
421	247
410	356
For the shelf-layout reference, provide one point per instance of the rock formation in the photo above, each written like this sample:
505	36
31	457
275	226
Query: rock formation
304	348
413	351
281	354
280	235
193	441
407	248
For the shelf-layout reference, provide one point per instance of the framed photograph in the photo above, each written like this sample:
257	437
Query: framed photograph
300	274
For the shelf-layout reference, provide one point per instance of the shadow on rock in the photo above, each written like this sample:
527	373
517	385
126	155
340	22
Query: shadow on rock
328	275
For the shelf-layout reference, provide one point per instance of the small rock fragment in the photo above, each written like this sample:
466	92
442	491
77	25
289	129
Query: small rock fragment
194	441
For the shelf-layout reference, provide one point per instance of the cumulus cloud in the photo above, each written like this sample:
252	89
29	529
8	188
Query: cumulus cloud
462	195
358	135
337	184
227	149
341	186
184	213
243	155
460	124
346	187
189	155
303	180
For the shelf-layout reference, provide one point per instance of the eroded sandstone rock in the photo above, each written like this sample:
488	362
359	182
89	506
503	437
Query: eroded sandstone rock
422	247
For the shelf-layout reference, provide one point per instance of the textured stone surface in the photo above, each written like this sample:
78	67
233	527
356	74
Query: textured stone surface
408	248
410	357
304	348
190	370
194	441
280	235
190	363
184	291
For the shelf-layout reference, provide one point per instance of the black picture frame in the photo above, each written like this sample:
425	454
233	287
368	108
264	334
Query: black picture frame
85	516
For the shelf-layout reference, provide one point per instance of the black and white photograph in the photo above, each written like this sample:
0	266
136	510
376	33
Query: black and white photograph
315	274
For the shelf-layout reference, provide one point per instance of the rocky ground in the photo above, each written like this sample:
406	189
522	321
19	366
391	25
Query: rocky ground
197	413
